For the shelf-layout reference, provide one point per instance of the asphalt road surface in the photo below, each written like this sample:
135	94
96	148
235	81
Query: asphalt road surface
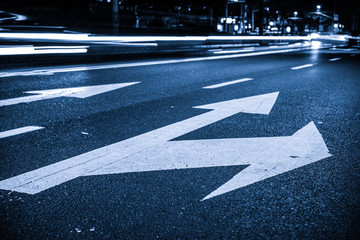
134	159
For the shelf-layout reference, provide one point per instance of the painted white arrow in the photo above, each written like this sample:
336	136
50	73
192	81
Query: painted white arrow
267	157
77	92
85	164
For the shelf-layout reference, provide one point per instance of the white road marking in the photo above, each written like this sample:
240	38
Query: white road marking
139	64
19	131
267	157
272	156
77	92
228	83
91	162
233	51
334	59
302	66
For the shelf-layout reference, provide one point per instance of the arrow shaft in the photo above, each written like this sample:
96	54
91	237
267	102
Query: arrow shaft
76	92
200	153
27	99
63	171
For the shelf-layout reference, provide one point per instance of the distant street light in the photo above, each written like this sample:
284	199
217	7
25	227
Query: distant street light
318	8
295	13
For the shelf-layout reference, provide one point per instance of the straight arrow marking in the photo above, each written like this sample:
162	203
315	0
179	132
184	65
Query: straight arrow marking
266	157
77	92
85	164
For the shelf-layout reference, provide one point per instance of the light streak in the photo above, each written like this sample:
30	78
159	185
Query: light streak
29	50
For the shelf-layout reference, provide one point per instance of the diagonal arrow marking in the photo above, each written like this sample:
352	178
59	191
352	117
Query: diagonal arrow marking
85	164
77	92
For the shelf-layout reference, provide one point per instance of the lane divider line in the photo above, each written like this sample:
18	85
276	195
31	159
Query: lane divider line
234	51
19	131
228	83
302	66
334	59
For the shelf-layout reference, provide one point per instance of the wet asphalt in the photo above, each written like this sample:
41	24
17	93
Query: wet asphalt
318	201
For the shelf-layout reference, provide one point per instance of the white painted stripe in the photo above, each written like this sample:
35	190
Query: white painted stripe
18	131
234	51
334	59
352	55
48	71
228	83
302	66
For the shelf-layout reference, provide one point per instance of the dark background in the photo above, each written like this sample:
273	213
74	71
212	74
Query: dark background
97	14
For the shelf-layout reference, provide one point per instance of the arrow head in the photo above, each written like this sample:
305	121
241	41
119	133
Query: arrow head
304	147
259	104
81	92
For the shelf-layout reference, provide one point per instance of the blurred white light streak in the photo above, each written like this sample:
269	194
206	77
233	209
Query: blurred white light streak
145	44
60	47
46	36
314	35
20	17
29	50
294	38
152	40
141	64
334	59
145	38
315	44
86	37
14	16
